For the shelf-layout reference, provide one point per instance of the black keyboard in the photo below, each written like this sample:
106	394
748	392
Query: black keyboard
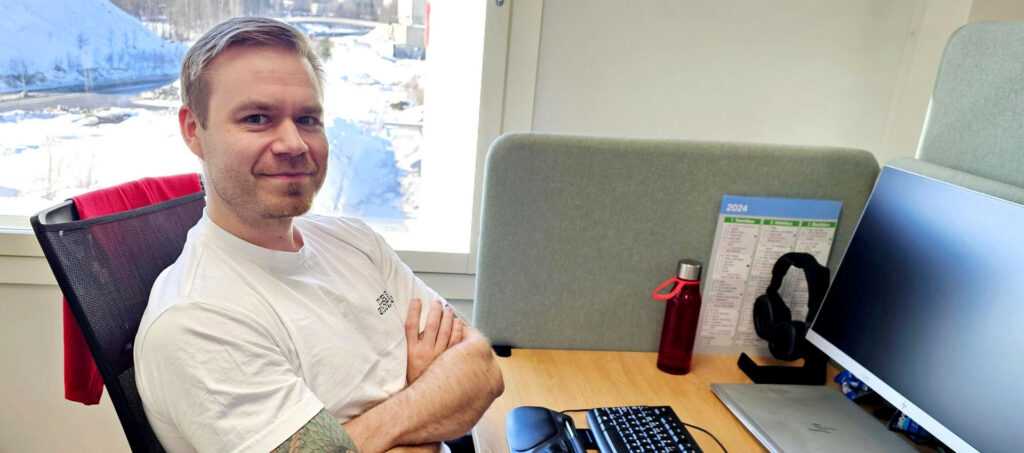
640	429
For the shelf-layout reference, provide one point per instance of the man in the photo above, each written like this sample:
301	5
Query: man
278	331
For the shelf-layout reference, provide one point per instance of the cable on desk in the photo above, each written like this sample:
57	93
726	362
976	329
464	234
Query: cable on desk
684	424
708	433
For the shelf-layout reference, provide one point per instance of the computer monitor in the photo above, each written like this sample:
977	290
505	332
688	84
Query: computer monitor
927	308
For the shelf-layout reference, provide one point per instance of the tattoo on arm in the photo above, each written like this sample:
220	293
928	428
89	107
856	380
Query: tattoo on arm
323	433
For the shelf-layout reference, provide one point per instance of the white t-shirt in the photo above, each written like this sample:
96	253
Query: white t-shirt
240	345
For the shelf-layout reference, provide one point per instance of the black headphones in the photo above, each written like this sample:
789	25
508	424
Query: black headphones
772	318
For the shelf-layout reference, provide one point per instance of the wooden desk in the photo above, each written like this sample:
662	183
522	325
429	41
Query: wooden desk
561	380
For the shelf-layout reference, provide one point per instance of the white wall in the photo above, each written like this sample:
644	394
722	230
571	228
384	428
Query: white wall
820	72
35	416
996	10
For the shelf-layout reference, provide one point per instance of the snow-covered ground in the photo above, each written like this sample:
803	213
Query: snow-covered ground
374	113
85	43
51	155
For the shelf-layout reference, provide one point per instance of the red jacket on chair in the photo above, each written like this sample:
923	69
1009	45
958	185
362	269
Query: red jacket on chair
82	381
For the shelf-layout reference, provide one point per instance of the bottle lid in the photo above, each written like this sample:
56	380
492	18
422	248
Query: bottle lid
689	270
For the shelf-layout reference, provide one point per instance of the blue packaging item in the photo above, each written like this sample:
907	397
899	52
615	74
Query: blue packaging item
914	432
854	388
851	386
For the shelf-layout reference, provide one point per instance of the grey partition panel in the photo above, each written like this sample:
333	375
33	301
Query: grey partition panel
973	182
976	118
577	231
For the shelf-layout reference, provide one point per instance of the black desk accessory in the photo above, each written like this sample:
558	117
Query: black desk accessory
813	371
533	429
786	338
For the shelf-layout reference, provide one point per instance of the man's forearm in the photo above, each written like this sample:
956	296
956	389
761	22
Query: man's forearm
444	403
454	397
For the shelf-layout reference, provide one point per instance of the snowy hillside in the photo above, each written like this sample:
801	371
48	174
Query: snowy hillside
56	145
78	43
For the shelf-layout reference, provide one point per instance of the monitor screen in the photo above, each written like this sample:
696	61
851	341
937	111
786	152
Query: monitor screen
927	308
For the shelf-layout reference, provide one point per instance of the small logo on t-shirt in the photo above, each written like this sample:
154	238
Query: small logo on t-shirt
384	302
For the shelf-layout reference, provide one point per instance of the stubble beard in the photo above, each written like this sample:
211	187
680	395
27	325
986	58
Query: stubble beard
249	197
296	203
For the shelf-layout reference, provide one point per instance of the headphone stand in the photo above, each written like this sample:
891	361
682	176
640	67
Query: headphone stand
811	373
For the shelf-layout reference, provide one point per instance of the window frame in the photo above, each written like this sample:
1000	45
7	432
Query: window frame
508	66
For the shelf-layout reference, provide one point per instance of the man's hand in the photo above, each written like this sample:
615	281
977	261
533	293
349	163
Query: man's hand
443	329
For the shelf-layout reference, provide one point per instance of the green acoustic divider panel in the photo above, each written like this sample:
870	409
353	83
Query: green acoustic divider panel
973	182
976	118
577	231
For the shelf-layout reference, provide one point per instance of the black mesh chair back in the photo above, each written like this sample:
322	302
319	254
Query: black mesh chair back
106	267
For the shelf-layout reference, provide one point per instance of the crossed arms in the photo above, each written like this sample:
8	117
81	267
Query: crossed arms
453	378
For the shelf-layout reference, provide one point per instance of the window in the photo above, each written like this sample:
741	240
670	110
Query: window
89	99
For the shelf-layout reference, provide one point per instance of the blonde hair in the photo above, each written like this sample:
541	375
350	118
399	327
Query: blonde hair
238	31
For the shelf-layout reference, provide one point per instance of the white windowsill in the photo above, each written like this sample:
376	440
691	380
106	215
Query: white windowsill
18	242
22	263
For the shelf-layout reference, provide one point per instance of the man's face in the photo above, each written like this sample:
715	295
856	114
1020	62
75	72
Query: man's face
263	147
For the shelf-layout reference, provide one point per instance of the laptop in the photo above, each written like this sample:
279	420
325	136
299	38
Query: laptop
807	418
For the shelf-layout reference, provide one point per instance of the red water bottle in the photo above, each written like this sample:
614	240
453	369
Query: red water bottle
681	314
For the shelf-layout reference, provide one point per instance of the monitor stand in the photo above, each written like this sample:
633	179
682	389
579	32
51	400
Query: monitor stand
807	418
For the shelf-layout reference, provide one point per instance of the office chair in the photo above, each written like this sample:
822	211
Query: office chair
106	266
